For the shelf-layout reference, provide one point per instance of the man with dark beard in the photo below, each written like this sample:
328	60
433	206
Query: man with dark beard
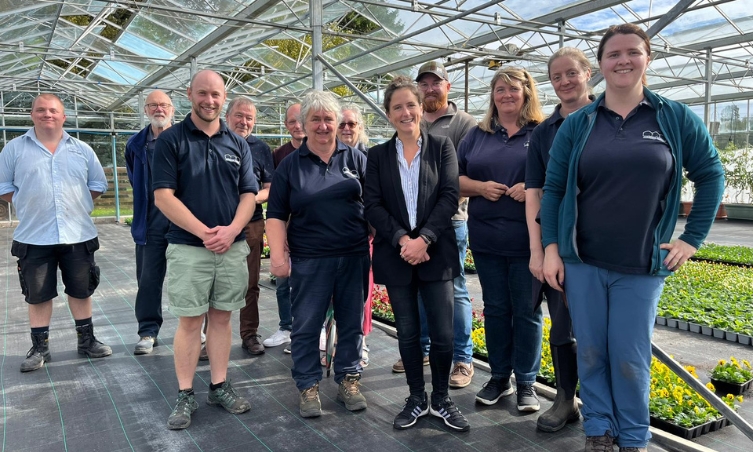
441	117
149	225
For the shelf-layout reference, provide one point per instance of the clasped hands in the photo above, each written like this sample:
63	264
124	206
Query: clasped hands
413	251
494	190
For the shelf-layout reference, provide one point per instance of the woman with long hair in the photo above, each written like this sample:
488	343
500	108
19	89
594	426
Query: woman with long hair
492	160
610	204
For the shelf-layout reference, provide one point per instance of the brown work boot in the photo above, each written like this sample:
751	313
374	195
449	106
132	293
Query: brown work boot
603	443
349	392
310	405
461	375
252	345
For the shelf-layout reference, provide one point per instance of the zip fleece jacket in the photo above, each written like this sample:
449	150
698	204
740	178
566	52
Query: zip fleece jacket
690	145
138	170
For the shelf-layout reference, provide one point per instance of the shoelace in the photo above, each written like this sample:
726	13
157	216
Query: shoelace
412	406
463	370
351	387
227	393
183	405
605	443
310	393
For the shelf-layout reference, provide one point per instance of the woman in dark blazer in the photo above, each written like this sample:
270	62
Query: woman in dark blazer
410	195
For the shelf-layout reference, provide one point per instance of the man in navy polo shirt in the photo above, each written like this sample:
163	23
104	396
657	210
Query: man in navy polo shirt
204	184
240	118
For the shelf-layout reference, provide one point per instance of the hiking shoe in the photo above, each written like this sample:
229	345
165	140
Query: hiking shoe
399	368
414	408
461	375
38	354
349	392
310	405
89	345
527	398
252	345
226	396
453	418
180	418
493	390
278	338
603	443
145	345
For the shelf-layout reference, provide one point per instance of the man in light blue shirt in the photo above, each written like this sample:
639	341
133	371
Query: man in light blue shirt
53	179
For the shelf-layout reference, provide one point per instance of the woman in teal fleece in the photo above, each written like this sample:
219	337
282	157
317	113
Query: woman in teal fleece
610	205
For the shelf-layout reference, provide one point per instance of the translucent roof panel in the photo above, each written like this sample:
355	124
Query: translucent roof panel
110	53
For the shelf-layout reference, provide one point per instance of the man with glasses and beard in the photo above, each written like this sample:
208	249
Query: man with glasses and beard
149	224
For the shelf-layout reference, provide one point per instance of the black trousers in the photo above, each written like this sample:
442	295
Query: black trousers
151	266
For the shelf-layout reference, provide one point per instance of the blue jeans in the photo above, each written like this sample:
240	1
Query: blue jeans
613	320
314	284
513	329
151	265
404	300
463	311
283	304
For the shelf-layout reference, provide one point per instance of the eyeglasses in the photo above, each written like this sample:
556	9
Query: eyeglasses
352	125
436	84
162	106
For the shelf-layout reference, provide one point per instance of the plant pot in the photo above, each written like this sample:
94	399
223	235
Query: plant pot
723	388
694	327
682	432
732	337
739	211
672	323
682	325
661	320
719	334
707	330
744	339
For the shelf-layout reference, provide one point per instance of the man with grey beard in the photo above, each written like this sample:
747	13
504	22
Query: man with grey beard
149	223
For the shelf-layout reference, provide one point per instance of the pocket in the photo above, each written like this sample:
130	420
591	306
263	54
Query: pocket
93	278
22	281
92	245
19	249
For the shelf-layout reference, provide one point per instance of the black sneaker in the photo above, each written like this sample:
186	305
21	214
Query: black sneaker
414	408
527	398
493	390
226	397
180	418
453	418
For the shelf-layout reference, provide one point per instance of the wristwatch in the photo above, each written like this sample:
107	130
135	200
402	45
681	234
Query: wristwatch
427	240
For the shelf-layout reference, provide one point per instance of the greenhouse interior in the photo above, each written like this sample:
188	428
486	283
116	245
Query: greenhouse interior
102	59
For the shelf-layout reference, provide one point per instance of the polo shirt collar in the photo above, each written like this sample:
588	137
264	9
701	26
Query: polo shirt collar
305	151
193	129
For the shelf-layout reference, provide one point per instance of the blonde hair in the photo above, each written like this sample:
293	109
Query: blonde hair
531	111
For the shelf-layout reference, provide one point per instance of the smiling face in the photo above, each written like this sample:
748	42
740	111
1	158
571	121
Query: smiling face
405	113
569	80
207	96
47	114
349	129
624	62
508	98
320	127
159	109
241	119
435	91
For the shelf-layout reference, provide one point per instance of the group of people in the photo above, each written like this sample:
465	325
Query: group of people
578	207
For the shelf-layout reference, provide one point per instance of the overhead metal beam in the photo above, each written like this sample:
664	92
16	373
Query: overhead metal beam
254	10
353	88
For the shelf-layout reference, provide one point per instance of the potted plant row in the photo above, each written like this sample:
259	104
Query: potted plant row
732	377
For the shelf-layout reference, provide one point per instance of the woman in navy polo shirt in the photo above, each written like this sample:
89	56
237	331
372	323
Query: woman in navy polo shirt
318	235
411	194
609	209
492	161
569	72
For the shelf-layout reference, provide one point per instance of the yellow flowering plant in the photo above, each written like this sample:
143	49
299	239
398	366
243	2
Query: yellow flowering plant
732	371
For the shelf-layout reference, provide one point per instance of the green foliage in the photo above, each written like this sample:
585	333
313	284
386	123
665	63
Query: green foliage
711	294
725	253
732	371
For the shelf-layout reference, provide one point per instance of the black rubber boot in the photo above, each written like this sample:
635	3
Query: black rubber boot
38	354
89	345
565	408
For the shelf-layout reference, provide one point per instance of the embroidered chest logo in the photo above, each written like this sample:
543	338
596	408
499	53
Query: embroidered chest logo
230	158
350	173
656	136
525	145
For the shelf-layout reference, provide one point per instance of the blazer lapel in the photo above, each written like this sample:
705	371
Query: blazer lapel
422	183
394	171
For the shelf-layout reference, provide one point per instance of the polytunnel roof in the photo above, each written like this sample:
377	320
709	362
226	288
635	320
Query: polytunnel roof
106	52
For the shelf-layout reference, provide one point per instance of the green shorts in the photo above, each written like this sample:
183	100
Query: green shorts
198	279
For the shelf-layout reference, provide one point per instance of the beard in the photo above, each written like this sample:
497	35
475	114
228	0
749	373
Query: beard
159	123
435	103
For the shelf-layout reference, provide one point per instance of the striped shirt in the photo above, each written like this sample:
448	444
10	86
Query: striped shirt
409	179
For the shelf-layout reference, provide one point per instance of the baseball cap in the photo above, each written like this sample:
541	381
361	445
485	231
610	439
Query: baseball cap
432	67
